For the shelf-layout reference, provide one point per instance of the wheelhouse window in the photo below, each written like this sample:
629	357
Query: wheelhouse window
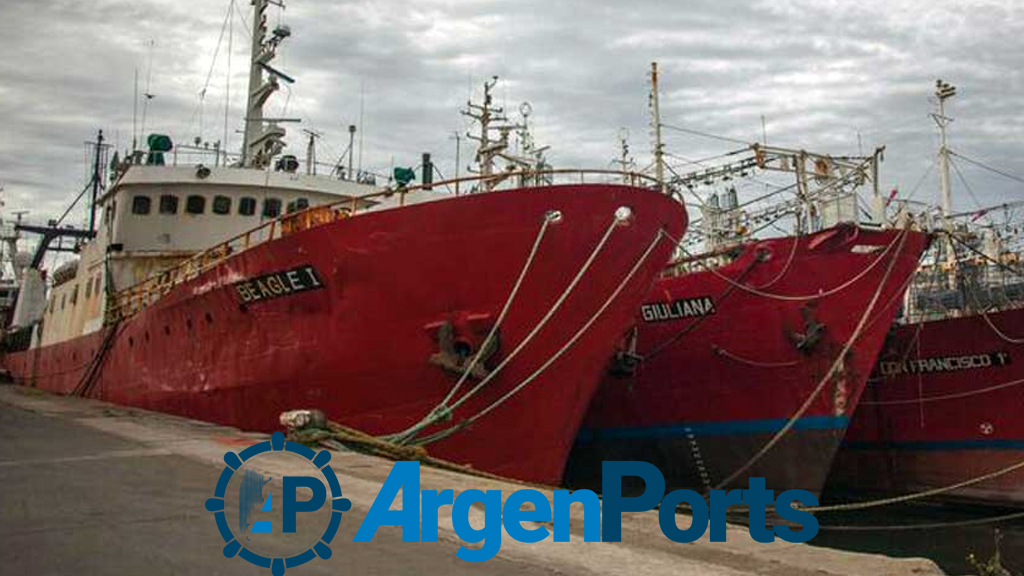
221	205
271	208
297	205
140	205
247	206
195	204
168	204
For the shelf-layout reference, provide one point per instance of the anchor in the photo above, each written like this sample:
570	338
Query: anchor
458	341
813	331
626	360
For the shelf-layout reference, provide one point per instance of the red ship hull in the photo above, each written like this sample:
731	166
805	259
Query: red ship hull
713	388
943	408
359	346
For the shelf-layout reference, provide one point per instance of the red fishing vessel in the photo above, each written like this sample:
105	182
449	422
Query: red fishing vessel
477	325
941	410
752	367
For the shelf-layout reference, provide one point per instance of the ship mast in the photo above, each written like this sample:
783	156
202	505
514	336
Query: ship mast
263	137
97	181
311	151
944	91
624	161
485	114
527	162
659	147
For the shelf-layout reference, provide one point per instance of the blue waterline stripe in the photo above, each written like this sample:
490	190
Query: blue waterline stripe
996	443
713	428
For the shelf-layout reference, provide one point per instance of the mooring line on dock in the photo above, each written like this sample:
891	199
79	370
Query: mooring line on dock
924	526
916	495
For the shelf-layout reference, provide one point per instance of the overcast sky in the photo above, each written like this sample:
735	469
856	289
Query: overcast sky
819	71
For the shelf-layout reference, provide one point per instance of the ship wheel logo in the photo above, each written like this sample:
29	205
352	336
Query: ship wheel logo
284	524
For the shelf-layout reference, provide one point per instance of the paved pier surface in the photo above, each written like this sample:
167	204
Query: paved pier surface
91	488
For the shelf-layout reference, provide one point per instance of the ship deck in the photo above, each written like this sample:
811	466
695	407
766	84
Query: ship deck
100	489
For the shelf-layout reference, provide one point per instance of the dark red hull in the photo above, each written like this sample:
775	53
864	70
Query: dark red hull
944	407
713	388
360	347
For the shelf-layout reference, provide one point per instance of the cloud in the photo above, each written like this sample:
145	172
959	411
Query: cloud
820	72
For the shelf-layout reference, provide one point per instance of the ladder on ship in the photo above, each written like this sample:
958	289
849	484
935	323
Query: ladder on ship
95	367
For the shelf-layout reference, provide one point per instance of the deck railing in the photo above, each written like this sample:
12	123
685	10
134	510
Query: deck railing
124	303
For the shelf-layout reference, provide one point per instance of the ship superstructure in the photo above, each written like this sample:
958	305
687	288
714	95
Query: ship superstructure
158	207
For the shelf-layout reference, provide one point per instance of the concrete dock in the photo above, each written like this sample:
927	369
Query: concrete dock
92	488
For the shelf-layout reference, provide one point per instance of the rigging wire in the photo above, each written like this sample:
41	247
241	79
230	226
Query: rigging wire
970	191
209	74
705	134
241	16
921	180
700	200
227	83
701	161
989	168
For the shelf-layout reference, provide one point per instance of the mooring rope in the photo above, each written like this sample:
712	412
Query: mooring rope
924	526
335	435
558	354
757	364
786	297
897	295
786	267
442	408
981	309
941	397
1000	333
916	495
832	370
408	434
